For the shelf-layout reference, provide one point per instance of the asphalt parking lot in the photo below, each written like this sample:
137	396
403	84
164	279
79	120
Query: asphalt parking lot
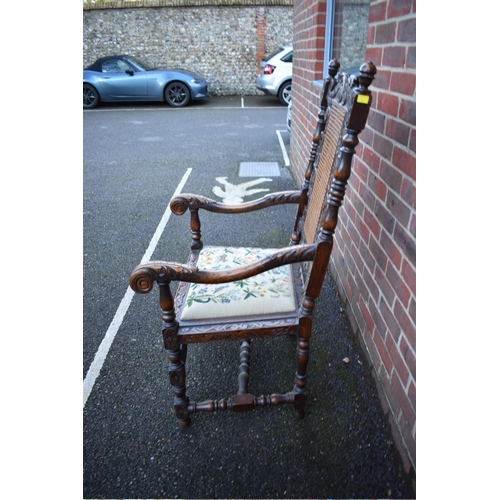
261	101
135	158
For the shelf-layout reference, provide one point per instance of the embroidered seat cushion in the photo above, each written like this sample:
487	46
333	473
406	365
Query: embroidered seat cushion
270	292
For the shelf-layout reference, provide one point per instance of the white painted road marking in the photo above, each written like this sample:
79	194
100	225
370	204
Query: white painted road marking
234	193
102	352
283	149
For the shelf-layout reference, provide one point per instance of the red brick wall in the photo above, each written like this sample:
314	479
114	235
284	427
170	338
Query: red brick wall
308	45
261	37
374	259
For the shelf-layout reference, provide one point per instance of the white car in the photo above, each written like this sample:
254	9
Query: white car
276	76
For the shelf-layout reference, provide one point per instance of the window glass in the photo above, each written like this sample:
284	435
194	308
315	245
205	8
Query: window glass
345	32
275	53
115	66
141	64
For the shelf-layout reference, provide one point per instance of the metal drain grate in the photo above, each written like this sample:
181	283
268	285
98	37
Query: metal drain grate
259	169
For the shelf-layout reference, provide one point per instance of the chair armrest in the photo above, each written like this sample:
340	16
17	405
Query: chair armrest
186	201
144	275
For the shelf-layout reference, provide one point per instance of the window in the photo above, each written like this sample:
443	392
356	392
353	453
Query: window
345	33
288	58
115	66
330	9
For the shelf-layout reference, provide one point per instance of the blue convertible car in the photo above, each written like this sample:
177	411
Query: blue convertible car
125	78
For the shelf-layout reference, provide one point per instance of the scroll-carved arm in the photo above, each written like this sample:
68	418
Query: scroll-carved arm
180	204
145	275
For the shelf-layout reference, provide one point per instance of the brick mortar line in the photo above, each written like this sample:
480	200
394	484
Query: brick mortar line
390	162
395	43
393	141
381	66
366	266
399	120
395	19
398	269
392	191
410	70
382	90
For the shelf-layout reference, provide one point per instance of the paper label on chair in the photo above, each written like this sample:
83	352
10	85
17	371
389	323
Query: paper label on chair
271	292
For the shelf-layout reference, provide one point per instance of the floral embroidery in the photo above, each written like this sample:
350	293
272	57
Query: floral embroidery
268	292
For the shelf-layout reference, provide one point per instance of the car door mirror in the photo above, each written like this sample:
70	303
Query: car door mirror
129	72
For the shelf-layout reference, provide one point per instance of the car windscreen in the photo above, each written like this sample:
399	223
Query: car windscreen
141	64
276	52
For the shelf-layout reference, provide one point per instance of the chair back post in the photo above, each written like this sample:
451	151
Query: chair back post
356	120
353	94
358	99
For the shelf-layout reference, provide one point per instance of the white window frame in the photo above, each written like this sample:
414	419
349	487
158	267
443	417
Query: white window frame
329	32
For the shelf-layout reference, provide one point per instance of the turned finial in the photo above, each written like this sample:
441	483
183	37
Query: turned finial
333	67
367	73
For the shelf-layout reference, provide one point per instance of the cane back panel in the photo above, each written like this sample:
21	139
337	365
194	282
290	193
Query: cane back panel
323	170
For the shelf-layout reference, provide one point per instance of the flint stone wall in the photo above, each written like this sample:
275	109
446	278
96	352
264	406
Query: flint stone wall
222	40
354	30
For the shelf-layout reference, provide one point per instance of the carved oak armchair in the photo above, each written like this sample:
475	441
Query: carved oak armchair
245	293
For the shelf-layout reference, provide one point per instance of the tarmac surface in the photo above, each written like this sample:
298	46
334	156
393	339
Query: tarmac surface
133	447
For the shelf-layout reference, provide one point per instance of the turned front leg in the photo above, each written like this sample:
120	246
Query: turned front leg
176	355
177	375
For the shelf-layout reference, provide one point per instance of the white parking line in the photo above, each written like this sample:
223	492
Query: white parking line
242	102
283	149
102	352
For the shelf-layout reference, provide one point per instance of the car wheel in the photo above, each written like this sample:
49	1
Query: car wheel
177	94
90	96
285	93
